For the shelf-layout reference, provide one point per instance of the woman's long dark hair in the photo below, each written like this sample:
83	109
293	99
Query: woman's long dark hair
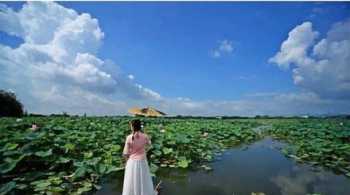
136	125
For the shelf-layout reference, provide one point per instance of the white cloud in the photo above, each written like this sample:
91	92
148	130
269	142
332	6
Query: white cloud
215	54
245	77
225	47
131	77
298	180
9	21
318	10
76	101
322	67
59	55
294	49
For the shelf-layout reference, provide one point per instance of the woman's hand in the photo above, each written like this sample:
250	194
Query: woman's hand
126	157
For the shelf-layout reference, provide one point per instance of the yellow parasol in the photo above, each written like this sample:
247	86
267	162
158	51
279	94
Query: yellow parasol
149	112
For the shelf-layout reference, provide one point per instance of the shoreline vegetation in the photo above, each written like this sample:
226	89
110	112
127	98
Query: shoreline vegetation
70	154
320	116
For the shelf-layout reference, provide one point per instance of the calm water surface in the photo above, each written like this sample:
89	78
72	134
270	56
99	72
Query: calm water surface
259	167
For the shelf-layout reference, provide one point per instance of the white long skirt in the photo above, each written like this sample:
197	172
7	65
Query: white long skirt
137	178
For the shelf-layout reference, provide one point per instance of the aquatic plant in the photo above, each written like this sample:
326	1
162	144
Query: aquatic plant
71	154
324	143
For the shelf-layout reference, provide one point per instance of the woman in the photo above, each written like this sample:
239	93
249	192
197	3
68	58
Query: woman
137	177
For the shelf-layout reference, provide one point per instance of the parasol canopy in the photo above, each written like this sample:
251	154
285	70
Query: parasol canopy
149	111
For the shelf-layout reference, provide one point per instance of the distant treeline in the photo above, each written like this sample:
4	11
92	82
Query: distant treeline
257	117
64	114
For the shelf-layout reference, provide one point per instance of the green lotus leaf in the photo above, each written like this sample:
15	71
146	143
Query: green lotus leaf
88	154
80	172
10	164
167	150
102	168
9	146
115	148
63	160
153	168
8	187
87	186
43	184
69	146
183	162
44	153
21	186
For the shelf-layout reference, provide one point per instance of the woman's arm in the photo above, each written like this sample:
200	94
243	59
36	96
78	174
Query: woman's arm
148	142
126	150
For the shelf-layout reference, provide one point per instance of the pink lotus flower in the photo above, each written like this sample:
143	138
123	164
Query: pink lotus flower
34	127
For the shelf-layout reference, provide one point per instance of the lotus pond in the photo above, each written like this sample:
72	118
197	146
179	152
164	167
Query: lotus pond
75	155
258	168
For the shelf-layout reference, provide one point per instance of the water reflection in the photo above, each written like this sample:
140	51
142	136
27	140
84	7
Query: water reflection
259	167
300	180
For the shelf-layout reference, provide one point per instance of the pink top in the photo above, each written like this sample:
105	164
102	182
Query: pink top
136	148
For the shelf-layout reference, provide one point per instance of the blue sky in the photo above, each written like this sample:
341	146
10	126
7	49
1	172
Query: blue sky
172	42
208	53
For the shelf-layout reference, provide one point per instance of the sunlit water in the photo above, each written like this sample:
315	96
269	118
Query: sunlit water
259	167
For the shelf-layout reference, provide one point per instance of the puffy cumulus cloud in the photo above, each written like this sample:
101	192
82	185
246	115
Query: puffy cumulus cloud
59	56
225	47
321	66
294	49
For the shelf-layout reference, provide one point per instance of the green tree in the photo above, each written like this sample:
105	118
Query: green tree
9	105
